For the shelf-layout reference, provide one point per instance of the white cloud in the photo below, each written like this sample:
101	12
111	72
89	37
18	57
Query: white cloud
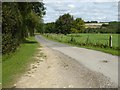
59	1
71	6
81	9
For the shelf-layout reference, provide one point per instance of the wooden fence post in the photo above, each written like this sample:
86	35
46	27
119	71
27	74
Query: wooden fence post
110	41
87	41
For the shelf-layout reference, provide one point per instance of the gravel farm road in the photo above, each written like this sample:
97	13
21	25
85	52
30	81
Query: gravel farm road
73	67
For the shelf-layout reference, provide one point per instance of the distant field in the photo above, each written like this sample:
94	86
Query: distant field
87	39
98	38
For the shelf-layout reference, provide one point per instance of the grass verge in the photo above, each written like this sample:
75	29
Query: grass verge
0	71
15	64
106	50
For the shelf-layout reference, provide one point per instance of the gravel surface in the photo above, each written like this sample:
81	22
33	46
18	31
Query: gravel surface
70	67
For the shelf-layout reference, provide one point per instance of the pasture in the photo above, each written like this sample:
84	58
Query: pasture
100	41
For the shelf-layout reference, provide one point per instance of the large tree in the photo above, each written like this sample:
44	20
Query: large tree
49	28
64	23
19	19
78	25
30	13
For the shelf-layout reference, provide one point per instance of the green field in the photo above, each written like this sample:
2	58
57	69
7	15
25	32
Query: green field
91	41
15	64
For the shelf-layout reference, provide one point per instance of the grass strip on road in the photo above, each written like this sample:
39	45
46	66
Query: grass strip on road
15	64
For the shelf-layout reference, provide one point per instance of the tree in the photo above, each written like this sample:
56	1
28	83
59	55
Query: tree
11	23
31	13
79	25
32	22
50	28
74	30
19	19
64	24
40	27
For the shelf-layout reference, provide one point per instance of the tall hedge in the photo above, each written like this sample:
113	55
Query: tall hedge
15	16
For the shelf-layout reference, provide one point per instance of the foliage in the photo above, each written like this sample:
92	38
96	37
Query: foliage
40	28
19	19
50	28
64	24
11	19
32	22
74	30
78	25
91	22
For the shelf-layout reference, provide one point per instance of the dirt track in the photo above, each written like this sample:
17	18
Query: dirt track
64	69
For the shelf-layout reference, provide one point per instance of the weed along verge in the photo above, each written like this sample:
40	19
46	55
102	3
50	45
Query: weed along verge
107	43
15	64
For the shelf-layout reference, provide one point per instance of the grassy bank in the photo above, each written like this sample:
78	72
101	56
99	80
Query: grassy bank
0	69
91	41
15	64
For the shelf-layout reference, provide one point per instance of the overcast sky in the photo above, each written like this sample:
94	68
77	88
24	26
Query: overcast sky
99	10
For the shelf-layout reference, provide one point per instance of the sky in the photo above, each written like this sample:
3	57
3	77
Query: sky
88	10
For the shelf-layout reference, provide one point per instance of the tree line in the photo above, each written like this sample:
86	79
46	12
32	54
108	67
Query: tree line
19	20
66	24
111	27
